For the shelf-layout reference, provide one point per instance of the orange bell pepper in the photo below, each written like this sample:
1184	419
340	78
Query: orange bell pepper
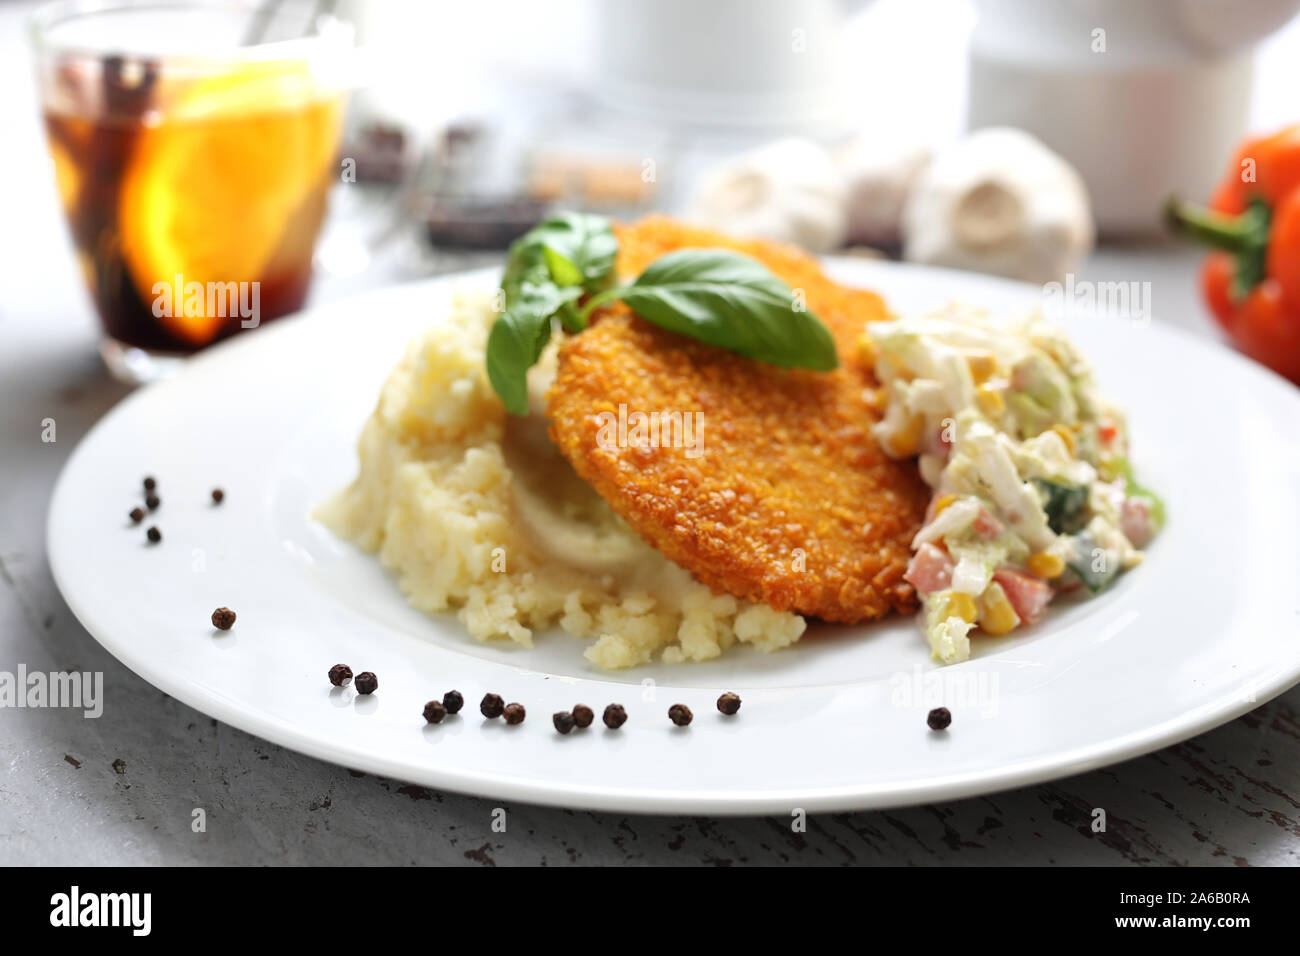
1251	281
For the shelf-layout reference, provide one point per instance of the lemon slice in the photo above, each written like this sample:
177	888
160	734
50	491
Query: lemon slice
213	189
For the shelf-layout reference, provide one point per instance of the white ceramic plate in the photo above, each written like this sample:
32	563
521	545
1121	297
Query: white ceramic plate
1204	631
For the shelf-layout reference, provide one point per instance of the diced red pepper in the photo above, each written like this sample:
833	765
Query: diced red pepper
1028	595
1136	522
930	569
986	526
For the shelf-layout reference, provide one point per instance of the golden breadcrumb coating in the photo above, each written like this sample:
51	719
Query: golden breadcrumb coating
790	502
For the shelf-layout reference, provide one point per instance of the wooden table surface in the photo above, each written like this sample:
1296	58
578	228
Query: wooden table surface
1229	797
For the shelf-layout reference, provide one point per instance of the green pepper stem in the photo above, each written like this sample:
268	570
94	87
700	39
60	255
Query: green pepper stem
1238	234
1244	236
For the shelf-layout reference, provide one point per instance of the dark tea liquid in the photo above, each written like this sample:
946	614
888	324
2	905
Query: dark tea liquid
194	211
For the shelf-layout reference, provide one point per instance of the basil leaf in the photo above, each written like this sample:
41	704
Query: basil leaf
585	242
518	336
731	301
547	270
563	270
574	248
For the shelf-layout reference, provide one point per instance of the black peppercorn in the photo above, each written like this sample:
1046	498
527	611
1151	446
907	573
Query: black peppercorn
491	706
939	718
615	716
150	484
340	674
154	535
152	501
223	618
729	703
453	701
434	712
218	496
514	713
563	721
582	715
137	515
680	714
366	683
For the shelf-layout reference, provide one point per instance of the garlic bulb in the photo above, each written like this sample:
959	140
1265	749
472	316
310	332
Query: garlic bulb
788	191
879	174
999	201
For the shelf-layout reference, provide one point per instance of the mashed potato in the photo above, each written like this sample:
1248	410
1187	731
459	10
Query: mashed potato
501	530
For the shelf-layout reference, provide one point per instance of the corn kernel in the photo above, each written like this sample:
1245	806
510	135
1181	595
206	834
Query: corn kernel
942	502
1045	565
1067	436
990	401
962	605
907	439
982	367
867	351
997	616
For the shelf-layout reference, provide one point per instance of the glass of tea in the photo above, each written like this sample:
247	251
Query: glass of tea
194	146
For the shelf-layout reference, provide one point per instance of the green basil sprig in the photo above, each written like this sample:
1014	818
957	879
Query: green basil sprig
715	296
729	300
547	270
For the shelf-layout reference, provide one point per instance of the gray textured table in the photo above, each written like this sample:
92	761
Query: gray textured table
1231	796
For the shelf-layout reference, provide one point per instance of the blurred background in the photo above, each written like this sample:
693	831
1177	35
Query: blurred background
1034	140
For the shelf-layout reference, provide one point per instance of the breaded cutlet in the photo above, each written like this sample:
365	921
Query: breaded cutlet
791	502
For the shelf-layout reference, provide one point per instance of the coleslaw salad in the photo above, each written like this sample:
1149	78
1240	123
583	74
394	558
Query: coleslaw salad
1033	494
